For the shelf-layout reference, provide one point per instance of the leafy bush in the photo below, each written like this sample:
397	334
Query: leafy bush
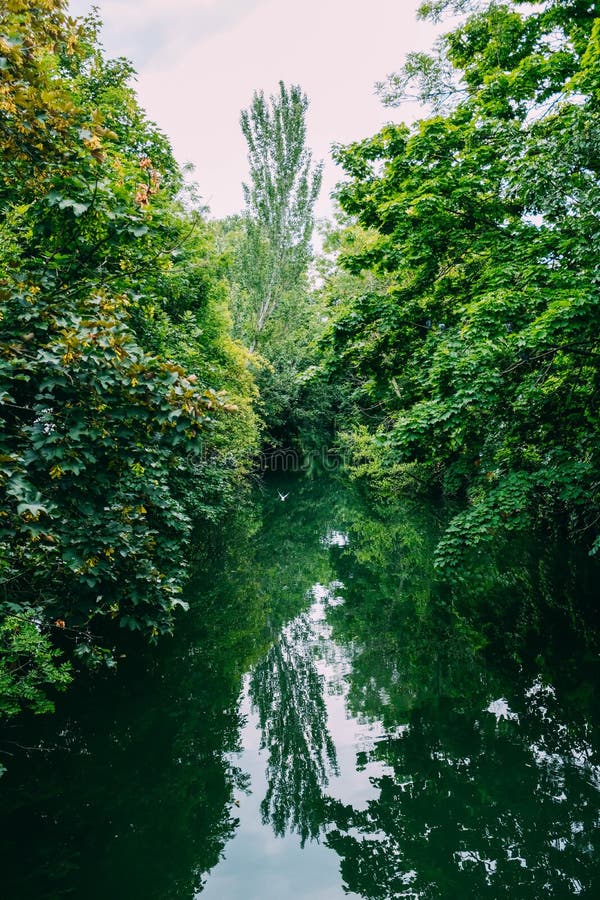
110	452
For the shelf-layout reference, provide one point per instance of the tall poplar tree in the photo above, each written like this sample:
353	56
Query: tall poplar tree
280	198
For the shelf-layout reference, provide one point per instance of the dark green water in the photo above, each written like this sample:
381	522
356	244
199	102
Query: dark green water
328	722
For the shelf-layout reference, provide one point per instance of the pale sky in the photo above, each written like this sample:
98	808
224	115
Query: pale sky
199	61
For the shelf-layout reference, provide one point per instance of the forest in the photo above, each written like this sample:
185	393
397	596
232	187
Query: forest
443	344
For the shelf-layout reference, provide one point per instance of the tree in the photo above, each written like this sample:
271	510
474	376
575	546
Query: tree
276	311
104	430
280	199
479	347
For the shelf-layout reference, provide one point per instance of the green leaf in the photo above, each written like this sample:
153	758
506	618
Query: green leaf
78	208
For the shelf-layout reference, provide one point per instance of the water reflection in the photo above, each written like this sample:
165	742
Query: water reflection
398	739
132	792
490	787
474	807
287	691
485	775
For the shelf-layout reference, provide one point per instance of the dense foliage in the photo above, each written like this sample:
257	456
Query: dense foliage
460	302
110	450
467	326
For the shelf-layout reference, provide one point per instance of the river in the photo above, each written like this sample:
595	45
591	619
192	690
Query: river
330	720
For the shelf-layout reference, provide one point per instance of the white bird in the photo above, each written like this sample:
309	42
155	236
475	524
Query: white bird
283	496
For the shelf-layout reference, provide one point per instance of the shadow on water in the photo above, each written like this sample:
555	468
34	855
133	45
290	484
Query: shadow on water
433	743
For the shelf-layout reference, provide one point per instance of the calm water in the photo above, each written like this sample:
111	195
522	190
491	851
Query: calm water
328	722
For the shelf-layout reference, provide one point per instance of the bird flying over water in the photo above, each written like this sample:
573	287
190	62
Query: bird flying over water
283	496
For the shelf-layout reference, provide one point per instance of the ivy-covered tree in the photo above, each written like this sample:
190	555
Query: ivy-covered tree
477	342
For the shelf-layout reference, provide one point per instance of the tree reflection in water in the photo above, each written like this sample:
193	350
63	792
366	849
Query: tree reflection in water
473	806
482	758
485	697
490	787
129	788
287	691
